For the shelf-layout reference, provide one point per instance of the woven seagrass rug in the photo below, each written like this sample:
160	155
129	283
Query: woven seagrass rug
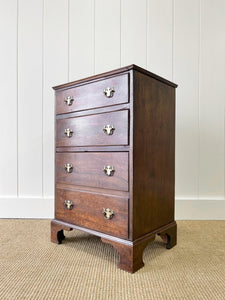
31	267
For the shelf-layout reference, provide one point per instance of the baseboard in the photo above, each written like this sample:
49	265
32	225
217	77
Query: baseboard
43	208
27	207
200	209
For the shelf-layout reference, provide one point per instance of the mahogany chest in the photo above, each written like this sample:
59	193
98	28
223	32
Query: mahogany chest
114	160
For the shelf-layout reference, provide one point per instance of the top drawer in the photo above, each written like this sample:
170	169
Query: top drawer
105	92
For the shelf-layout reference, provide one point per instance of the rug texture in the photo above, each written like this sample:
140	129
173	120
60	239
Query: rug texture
31	267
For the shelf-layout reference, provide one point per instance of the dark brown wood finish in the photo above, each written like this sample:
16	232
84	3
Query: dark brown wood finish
92	95
94	111
88	130
141	149
88	169
153	154
57	235
93	149
130	255
130	252
112	73
87	211
169	236
91	189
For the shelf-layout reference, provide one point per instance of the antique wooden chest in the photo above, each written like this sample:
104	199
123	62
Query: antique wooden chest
114	160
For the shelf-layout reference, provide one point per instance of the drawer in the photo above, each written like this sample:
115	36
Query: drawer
92	95
95	130
87	169
86	210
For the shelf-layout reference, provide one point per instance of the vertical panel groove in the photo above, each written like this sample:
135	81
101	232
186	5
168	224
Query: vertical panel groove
94	35
120	31
17	105
147	25
42	100
68	62
159	37
164	55
199	95
172	37
107	35
212	95
133	32
81	39
185	71
55	71
30	87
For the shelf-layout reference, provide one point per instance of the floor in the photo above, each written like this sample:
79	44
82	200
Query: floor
31	267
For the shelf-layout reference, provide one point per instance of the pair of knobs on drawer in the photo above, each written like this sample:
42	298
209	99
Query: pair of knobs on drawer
108	92
108	129
107	213
109	170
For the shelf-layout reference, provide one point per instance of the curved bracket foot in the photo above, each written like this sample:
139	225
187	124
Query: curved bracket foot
169	236
57	235
130	253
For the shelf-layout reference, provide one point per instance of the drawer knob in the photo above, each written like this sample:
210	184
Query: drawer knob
109	170
69	101
68	132
68	168
68	204
109	92
108	129
108	213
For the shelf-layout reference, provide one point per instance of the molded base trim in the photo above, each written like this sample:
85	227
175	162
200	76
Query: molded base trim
130	252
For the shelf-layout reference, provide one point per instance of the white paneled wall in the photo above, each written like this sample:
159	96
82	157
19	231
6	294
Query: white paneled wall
186	52
47	42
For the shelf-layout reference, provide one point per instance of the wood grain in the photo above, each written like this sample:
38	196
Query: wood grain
88	169
87	211
88	130
153	154
57	234
130	255
91	95
108	74
141	150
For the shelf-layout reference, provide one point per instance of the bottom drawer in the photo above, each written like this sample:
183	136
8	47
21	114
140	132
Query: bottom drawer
87	210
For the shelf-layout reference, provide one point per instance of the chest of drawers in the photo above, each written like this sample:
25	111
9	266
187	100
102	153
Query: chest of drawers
114	160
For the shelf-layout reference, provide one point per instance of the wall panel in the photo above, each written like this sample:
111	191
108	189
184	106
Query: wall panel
30	15
81	39
186	74
160	37
134	32
48	42
8	108
212	99
55	71
107	35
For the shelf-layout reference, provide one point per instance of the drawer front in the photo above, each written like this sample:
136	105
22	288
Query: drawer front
107	170
86	210
92	95
95	130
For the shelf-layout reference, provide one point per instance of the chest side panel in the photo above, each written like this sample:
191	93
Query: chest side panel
153	154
